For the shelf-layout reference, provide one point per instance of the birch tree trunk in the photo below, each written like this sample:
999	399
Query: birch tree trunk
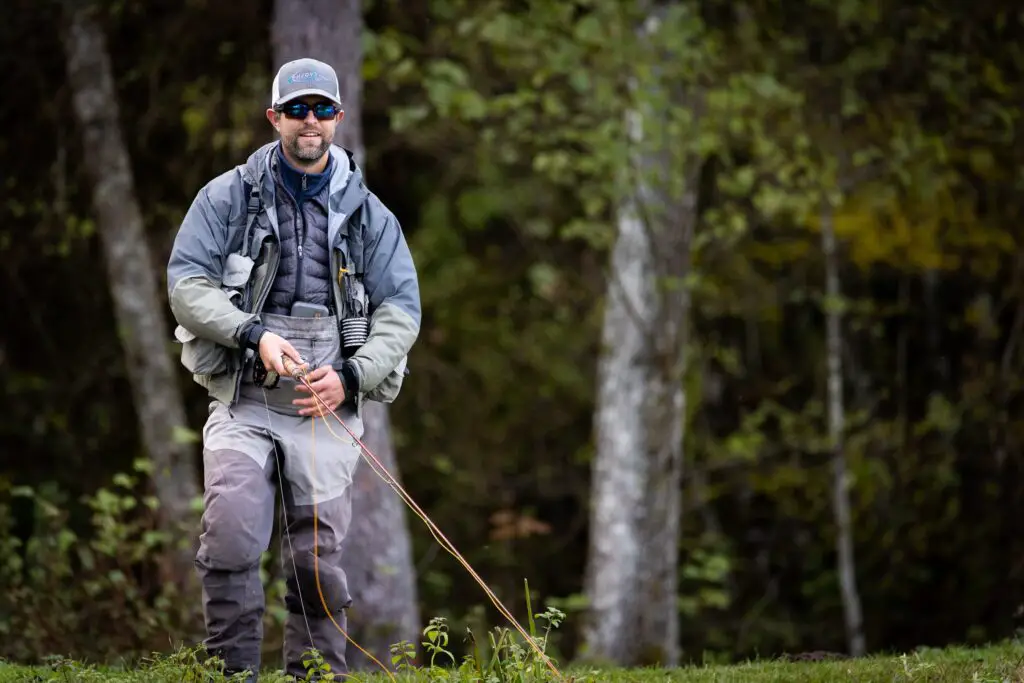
378	548
664	410
836	426
632	565
619	471
133	287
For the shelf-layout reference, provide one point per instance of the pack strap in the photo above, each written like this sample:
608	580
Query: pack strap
252	209
252	173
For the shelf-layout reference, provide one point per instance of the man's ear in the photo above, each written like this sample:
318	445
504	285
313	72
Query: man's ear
273	117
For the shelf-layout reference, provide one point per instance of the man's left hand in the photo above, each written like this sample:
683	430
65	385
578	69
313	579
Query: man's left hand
328	385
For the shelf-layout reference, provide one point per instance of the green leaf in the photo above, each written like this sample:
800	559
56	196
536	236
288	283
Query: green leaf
589	29
183	435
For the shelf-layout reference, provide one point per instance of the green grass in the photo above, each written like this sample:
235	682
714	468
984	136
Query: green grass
1003	663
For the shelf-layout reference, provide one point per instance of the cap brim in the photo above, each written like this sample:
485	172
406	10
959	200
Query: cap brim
308	91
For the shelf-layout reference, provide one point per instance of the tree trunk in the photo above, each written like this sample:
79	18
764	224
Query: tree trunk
836	425
631	577
380	566
664	413
331	31
940	370
619	471
378	546
130	270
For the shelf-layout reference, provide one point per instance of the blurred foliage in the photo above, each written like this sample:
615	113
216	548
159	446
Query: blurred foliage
496	131
59	585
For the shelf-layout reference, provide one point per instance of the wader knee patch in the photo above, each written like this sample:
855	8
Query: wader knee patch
333	585
239	512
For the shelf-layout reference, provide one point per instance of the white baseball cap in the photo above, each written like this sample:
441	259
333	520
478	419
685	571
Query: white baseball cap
305	76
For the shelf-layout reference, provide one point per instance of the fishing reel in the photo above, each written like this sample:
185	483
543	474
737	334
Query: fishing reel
268	379
262	377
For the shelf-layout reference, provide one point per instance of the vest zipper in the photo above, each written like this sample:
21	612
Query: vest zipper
303	216
300	238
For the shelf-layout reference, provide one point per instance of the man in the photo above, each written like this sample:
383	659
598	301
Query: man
288	255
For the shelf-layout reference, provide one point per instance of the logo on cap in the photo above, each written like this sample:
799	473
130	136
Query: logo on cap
308	77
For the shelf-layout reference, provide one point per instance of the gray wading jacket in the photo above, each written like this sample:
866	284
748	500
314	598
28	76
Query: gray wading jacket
222	266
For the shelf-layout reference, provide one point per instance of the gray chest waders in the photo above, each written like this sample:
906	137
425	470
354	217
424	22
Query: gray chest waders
260	447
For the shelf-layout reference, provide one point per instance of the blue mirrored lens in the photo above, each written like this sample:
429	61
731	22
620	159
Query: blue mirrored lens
299	110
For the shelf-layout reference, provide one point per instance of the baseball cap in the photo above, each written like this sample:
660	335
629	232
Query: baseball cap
305	77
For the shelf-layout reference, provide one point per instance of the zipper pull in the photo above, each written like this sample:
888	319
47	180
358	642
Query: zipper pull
303	182
300	250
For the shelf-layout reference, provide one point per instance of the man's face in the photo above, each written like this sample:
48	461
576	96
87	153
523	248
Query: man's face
306	137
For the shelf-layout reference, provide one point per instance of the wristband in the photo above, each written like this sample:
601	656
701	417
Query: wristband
349	379
253	336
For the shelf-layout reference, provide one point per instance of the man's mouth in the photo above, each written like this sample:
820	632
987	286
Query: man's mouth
309	134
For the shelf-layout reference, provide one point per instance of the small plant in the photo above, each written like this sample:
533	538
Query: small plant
403	654
436	633
509	658
316	668
192	665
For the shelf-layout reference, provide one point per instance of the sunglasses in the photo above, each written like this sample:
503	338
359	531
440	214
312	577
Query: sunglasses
299	110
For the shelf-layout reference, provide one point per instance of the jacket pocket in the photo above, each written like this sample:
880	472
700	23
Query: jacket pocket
202	356
236	276
389	388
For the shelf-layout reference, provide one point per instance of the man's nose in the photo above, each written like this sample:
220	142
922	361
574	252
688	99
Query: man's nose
310	117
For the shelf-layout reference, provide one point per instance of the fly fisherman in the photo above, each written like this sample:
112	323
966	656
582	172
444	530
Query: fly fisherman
287	255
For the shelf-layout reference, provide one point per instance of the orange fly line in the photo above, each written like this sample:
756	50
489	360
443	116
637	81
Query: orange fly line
299	374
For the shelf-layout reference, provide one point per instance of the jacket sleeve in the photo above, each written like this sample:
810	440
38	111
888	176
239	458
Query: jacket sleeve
195	271
393	291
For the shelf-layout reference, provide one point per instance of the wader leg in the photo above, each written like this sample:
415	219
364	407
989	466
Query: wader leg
333	517
316	466
237	522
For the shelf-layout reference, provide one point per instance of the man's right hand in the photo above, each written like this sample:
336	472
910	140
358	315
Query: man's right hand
272	348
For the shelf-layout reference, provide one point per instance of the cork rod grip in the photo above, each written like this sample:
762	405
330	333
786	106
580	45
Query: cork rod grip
292	368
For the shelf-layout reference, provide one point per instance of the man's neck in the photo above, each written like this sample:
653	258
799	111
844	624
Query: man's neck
317	166
302	182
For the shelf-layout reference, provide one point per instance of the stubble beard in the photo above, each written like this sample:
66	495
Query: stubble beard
305	152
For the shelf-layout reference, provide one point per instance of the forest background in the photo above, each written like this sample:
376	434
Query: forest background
723	316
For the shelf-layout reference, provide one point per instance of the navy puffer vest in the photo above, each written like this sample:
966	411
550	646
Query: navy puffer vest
304	271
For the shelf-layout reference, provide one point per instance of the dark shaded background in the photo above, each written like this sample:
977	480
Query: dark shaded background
497	414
